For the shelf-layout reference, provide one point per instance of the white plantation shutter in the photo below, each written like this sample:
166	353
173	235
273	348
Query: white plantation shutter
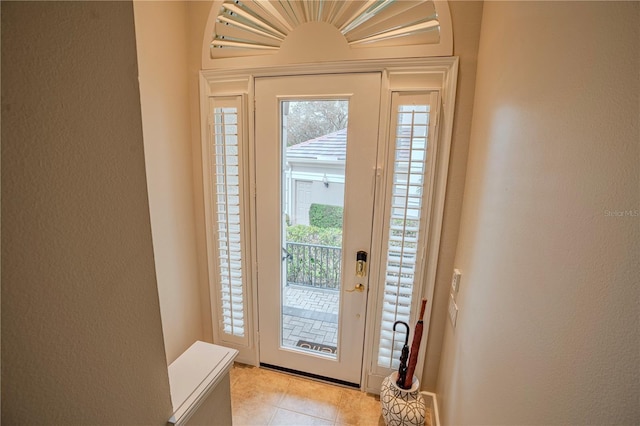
405	221
227	218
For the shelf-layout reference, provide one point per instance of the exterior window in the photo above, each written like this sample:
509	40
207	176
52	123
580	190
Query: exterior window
404	221
260	27
227	217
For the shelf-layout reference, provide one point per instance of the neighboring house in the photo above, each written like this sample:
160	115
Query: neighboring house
315	170
314	174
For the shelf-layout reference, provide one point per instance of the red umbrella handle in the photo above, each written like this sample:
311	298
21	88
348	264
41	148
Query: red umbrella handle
415	347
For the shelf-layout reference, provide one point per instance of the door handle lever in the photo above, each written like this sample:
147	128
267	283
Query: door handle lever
359	288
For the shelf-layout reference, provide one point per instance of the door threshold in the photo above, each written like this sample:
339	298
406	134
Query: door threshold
312	376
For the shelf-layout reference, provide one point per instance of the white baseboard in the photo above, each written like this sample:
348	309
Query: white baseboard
432	403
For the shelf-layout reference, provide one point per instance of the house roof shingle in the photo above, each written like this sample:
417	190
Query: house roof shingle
332	146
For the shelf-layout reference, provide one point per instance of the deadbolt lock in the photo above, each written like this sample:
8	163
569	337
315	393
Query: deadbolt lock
361	264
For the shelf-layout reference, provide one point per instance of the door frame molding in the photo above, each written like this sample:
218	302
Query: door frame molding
420	74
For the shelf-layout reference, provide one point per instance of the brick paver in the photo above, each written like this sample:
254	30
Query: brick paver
311	315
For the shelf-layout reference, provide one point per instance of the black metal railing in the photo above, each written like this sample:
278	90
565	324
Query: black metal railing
313	265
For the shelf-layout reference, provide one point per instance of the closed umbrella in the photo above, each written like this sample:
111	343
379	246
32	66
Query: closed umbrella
404	355
415	347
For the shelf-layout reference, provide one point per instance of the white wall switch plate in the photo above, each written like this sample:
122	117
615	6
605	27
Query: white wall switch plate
455	282
453	311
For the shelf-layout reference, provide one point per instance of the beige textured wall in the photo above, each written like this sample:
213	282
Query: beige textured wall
466	17
81	330
161	36
548	328
197	14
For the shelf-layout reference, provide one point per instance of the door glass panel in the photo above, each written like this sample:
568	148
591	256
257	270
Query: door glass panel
314	146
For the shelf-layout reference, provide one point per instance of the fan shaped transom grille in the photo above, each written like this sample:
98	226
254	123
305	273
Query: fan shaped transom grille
260	26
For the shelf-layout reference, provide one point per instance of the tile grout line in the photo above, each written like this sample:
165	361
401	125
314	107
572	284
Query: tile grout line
304	414
273	415
339	404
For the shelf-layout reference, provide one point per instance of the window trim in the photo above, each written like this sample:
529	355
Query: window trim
244	344
425	219
439	73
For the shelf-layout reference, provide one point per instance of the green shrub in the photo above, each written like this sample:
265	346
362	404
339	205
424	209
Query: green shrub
314	264
314	235
325	216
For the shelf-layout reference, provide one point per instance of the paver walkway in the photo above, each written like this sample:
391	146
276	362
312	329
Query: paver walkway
311	315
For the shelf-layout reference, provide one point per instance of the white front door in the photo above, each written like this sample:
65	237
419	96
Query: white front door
311	302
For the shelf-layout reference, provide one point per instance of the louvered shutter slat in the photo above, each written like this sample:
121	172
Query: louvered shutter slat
406	203
226	189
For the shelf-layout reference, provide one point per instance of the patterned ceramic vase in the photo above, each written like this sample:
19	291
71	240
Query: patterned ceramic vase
402	407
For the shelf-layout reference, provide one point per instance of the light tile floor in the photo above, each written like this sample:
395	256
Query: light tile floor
264	397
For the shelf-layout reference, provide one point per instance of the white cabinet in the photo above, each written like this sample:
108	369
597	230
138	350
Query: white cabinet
200	388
